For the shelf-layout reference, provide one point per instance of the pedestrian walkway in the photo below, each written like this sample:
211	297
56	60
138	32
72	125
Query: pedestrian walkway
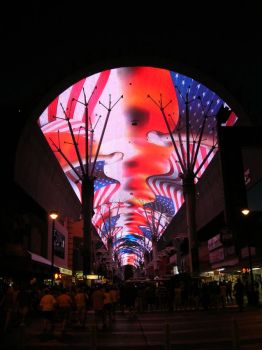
203	330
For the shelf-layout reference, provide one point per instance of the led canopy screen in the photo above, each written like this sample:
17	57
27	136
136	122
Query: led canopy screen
145	127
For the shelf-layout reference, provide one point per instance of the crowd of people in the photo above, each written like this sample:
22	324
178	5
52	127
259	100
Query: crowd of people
69	307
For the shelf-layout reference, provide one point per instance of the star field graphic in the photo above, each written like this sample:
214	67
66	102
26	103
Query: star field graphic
162	204
109	225
201	101
146	232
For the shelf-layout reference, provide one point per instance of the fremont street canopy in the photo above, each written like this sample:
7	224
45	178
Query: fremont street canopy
137	162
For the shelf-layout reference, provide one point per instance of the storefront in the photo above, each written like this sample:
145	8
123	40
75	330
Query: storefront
65	276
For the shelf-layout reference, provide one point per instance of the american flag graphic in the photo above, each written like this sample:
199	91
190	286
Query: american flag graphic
201	100
146	232
158	214
104	187
168	186
67	102
105	210
109	225
162	204
149	192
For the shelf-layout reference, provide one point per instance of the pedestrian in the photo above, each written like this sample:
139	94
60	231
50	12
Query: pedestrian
98	298
64	304
47	306
239	294
108	301
24	304
8	306
81	300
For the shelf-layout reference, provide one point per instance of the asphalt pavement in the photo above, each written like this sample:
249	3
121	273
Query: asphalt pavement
185	329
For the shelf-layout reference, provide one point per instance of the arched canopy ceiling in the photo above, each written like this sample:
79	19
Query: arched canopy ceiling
137	162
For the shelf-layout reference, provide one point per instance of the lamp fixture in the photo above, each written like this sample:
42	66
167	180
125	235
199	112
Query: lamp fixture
245	211
53	215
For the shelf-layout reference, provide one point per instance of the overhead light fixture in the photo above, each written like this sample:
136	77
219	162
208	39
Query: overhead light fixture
245	211
53	215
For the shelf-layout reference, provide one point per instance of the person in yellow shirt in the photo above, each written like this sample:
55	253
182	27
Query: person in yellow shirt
98	298
64	303
81	299
47	305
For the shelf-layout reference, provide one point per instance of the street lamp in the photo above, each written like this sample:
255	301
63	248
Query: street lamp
53	215
246	212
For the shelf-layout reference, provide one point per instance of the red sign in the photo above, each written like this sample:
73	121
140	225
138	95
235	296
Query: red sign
216	255
214	242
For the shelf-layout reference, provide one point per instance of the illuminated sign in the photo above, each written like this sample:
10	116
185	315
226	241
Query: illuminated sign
92	277
78	274
65	271
245	270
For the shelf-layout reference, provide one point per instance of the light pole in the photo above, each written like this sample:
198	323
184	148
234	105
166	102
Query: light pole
246	212
53	215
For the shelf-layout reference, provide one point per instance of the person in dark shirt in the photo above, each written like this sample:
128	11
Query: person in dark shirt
239	294
24	303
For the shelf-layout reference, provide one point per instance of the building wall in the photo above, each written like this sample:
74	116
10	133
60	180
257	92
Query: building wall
40	175
209	194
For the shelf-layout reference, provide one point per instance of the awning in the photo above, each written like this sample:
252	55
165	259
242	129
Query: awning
40	259
42	266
